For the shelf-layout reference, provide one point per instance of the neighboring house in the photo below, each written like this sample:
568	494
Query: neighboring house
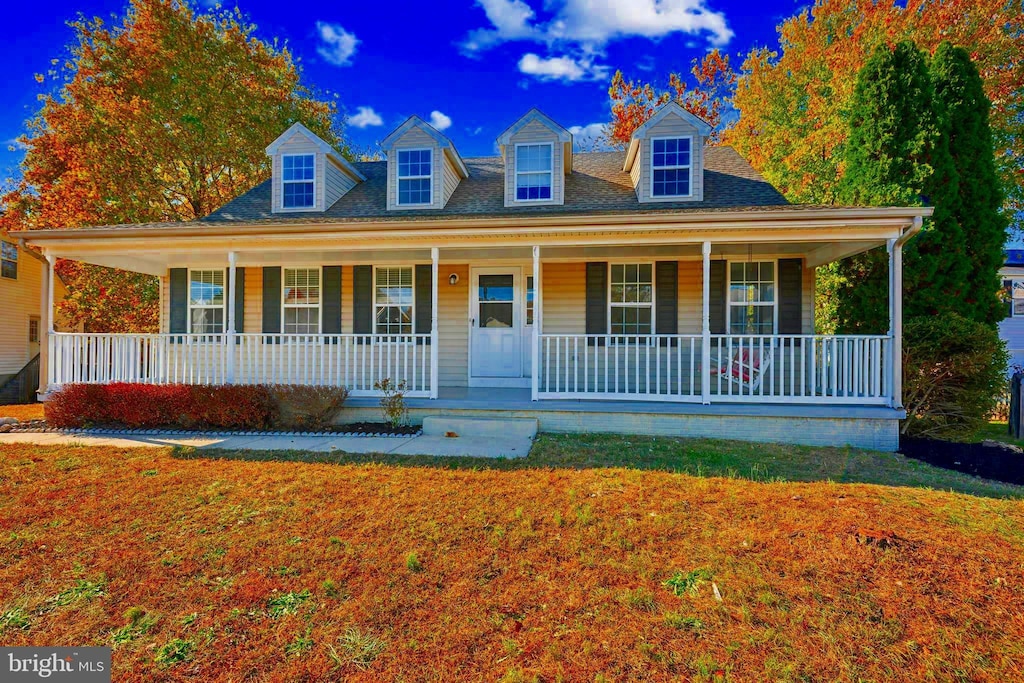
1011	328
665	289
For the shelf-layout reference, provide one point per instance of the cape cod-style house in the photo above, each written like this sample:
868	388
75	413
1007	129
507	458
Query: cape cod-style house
664	289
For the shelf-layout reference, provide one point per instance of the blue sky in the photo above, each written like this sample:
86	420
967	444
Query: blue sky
471	66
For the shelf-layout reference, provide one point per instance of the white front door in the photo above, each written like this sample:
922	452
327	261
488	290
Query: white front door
495	316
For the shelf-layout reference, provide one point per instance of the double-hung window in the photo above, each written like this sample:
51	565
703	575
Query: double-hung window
752	297
533	172
1014	296
8	260
631	302
301	301
671	165
206	301
415	177
297	176
393	300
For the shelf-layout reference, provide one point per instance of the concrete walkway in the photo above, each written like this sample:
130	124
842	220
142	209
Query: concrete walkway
473	446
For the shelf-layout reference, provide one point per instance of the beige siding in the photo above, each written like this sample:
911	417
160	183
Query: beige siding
21	299
807	301
252	320
535	132
298	144
564	298
453	327
346	300
671	125
336	183
691	296
451	179
415	138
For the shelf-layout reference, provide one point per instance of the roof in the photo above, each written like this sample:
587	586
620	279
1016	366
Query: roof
440	138
299	129
1014	257
598	185
534	115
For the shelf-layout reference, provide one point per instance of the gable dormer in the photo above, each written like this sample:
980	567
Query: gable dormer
424	168
307	173
665	158
538	155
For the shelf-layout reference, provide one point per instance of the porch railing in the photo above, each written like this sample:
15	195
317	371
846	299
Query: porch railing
355	361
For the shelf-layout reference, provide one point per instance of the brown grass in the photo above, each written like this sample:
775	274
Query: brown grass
208	570
29	411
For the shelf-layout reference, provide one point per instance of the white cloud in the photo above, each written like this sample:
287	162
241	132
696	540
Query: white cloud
592	137
439	120
561	68
365	117
336	44
511	21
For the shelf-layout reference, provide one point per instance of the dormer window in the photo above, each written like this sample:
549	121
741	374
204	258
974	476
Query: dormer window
415	176
298	172
671	167
534	172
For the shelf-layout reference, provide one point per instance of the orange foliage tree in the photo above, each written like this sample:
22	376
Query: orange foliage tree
162	117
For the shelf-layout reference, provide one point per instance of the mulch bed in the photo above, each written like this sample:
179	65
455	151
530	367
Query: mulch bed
988	459
352	429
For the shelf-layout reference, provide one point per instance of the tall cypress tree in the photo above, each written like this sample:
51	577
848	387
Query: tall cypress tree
960	94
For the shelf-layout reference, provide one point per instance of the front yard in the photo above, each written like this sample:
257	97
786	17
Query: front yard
562	567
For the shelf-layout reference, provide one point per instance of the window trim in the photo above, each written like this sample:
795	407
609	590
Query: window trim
39	326
651	167
516	172
223	306
654	298
14	260
412	304
729	305
399	178
319	306
311	207
1012	280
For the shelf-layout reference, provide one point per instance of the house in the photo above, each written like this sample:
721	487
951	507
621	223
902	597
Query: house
1011	328
21	276
664	289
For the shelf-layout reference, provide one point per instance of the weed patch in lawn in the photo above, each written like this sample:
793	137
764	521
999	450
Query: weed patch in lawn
175	652
83	591
689	583
287	603
356	648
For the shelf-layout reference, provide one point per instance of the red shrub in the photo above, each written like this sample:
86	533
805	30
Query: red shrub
232	406
77	405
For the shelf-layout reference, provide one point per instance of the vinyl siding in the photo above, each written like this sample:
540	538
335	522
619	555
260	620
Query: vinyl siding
691	296
535	132
807	319
336	183
453	327
451	179
669	126
415	138
564	298
298	144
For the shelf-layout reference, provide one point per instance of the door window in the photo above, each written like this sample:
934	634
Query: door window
496	294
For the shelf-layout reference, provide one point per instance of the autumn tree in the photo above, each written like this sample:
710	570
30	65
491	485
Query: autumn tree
633	102
163	116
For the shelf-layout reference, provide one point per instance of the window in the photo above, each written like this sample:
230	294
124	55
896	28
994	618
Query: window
670	167
33	330
301	301
529	300
206	301
1014	297
393	300
415	176
8	260
533	172
297	174
632	297
752	297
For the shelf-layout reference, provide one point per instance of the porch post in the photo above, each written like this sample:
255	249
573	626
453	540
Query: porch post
46	326
896	320
535	339
705	344
434	257
230	350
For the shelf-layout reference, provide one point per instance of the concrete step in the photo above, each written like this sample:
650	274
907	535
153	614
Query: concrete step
493	427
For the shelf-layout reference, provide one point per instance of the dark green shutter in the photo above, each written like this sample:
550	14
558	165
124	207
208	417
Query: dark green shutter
239	299
179	300
272	300
362	299
791	295
719	291
332	300
424	303
597	298
666	297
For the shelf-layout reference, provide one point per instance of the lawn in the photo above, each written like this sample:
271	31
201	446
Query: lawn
560	568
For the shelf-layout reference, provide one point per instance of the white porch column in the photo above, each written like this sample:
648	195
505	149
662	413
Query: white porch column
46	325
705	344
535	339
435	254
230	349
896	320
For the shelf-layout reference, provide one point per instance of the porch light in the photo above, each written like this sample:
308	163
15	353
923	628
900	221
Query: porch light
453	279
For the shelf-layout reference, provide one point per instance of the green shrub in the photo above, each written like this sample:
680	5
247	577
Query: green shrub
954	370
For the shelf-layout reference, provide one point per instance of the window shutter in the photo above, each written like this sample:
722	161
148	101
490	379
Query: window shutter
1008	290
272	300
791	295
597	298
331	300
424	304
239	299
179	300
666	297
362	299
719	292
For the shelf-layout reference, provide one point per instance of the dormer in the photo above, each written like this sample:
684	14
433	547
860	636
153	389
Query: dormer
538	155
307	173
666	156
424	168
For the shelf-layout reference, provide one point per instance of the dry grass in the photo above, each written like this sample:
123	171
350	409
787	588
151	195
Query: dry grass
29	411
202	569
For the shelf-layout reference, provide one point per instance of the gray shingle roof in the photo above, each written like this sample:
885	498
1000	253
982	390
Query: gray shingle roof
597	185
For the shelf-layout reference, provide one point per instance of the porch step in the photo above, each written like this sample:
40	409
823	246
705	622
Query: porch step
493	427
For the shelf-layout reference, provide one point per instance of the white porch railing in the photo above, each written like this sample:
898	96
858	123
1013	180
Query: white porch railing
355	361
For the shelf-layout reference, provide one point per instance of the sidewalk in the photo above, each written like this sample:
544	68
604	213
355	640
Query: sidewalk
481	447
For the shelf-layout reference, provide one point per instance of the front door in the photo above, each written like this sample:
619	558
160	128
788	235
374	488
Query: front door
496	323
